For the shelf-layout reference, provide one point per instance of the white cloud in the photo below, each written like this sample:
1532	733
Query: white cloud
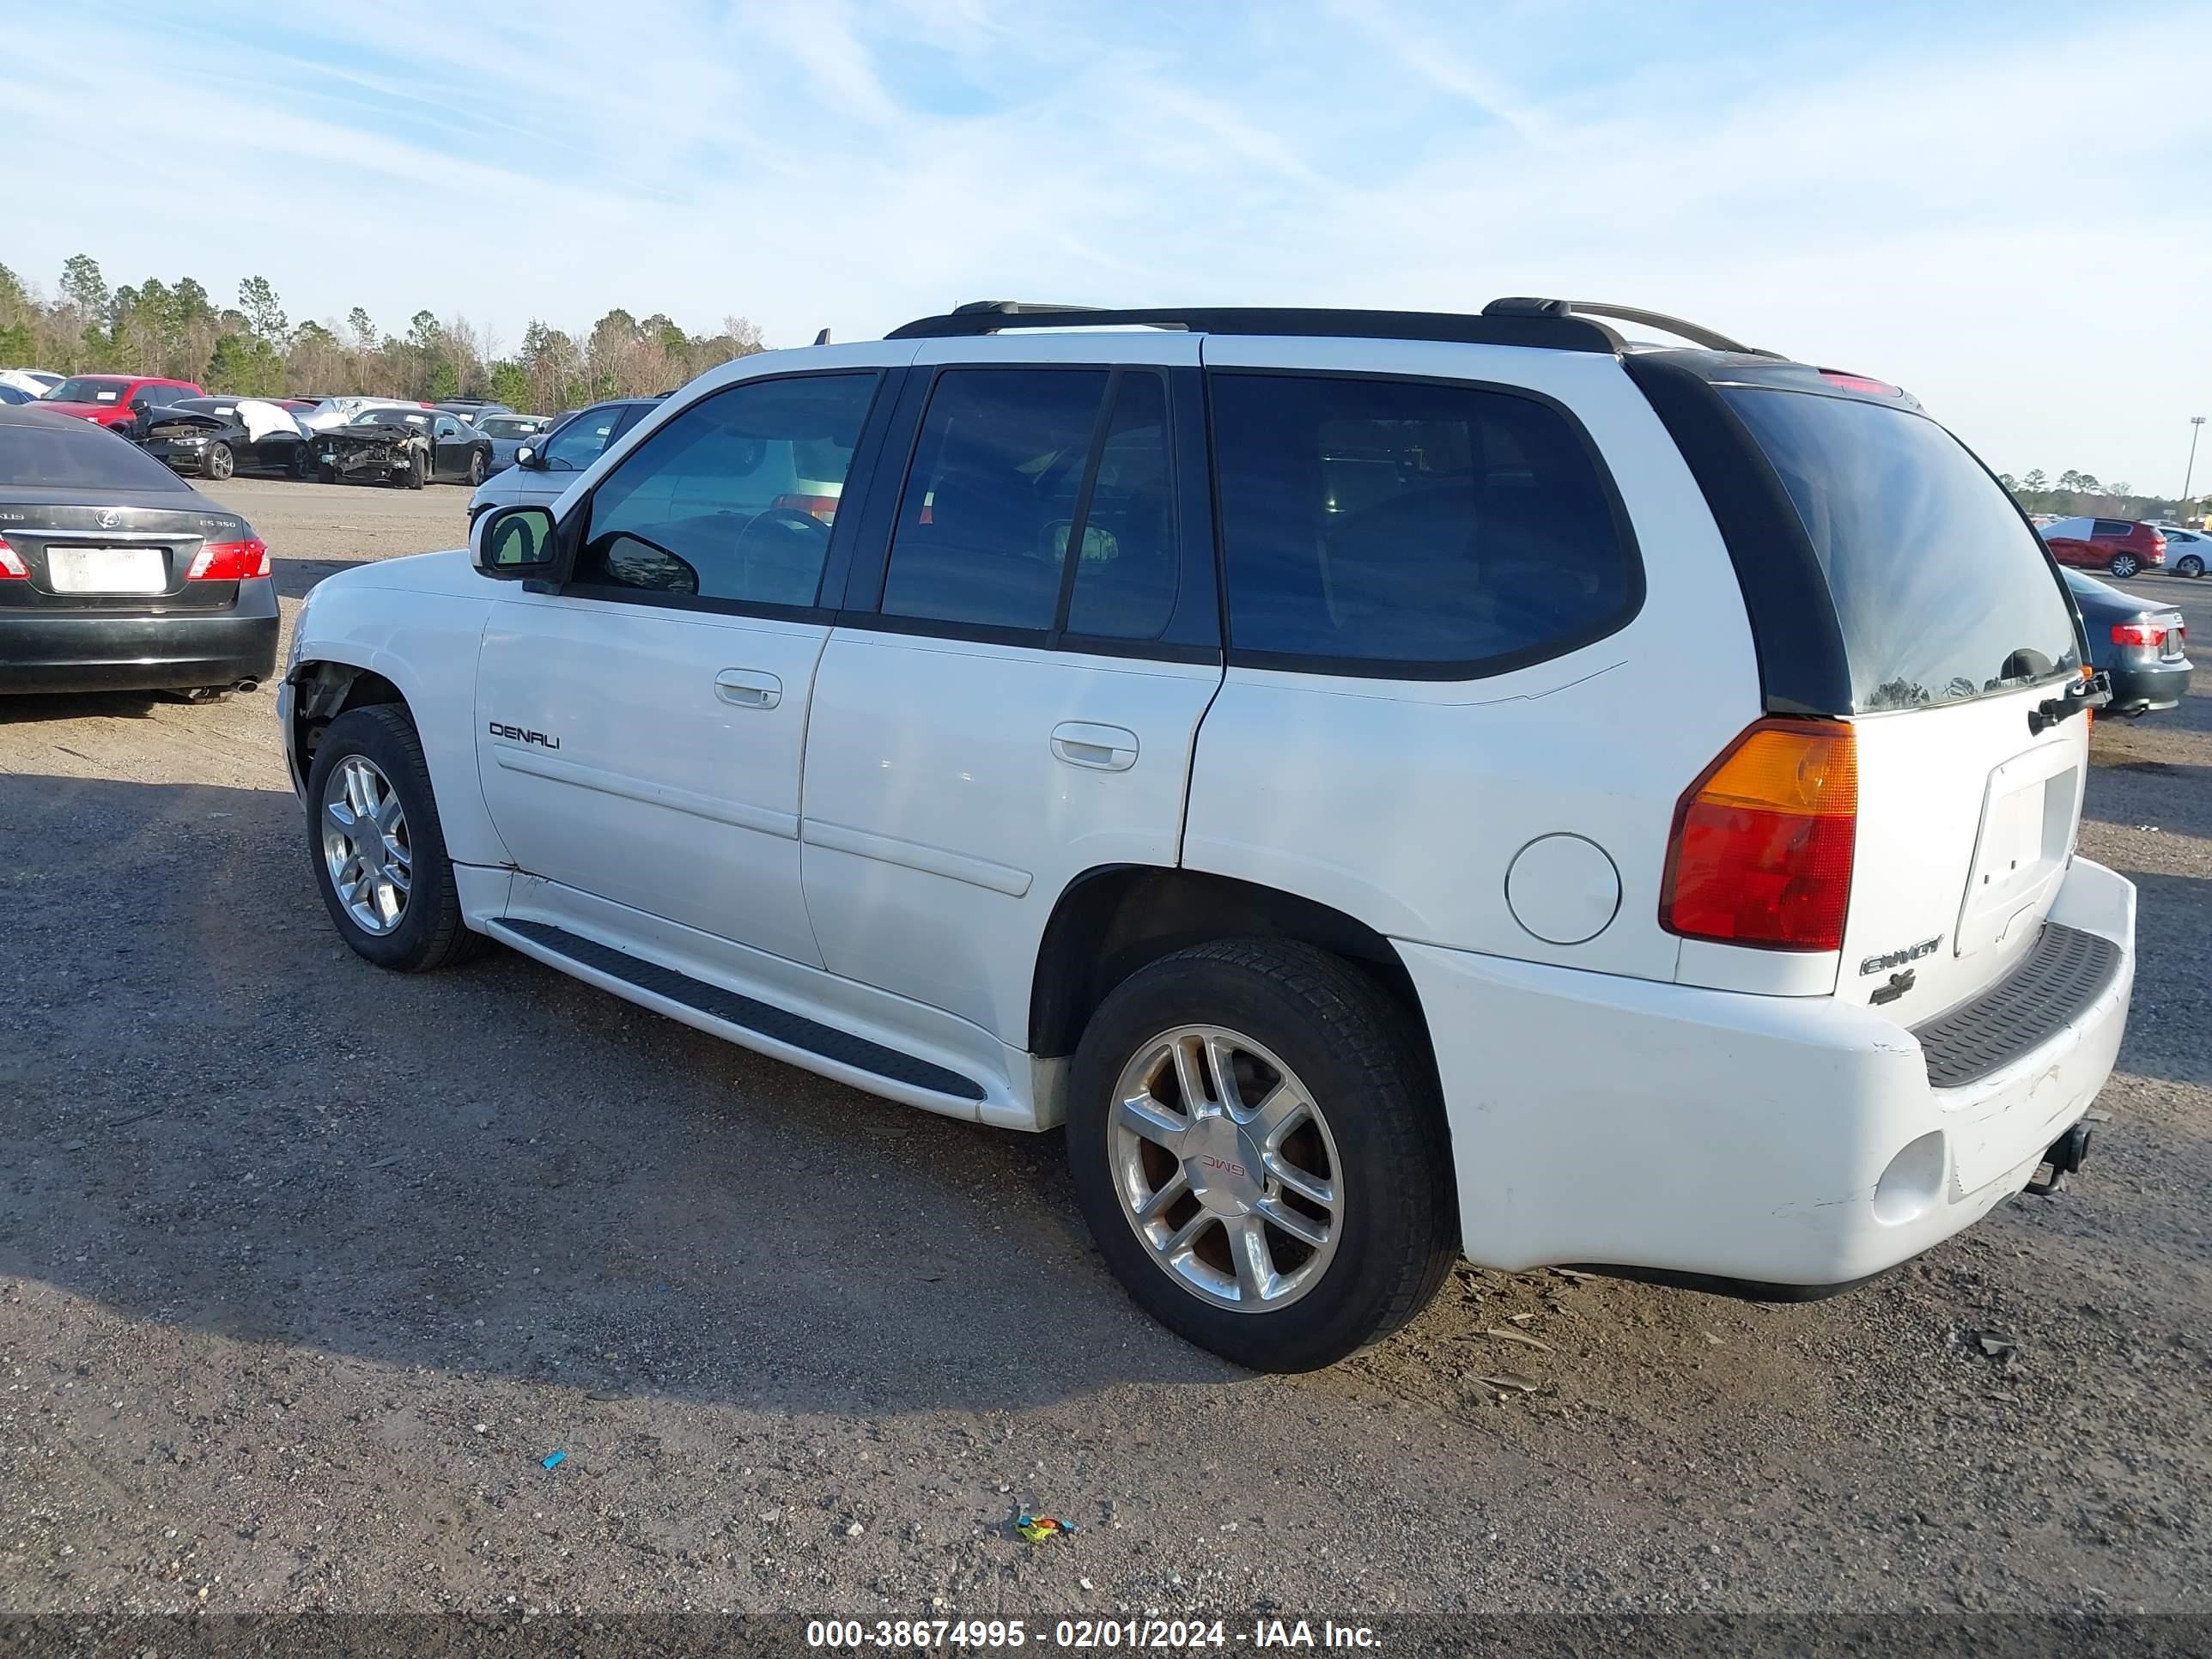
1910	194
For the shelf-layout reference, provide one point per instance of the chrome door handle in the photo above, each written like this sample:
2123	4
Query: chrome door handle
747	688
1102	748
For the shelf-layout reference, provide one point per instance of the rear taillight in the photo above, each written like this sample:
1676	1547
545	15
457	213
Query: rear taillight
1761	853
11	563
229	562
824	507
2137	633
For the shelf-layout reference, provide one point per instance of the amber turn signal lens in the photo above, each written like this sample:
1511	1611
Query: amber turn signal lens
1763	843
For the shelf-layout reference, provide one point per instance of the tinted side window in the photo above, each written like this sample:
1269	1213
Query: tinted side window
578	444
984	524
735	498
2116	529
1428	527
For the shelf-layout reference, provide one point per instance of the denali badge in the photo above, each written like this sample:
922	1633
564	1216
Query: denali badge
517	734
1889	959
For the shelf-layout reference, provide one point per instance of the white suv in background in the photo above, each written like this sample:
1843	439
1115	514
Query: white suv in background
1394	786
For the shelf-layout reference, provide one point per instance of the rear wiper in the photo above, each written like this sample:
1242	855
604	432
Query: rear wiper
2093	692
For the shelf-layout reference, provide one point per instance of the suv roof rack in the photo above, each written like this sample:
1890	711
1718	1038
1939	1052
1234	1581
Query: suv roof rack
1712	339
1559	325
1559	332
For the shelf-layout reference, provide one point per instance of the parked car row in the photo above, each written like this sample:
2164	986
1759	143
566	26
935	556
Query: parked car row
397	440
2125	547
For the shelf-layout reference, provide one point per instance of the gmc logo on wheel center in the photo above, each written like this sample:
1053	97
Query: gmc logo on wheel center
1210	1162
521	734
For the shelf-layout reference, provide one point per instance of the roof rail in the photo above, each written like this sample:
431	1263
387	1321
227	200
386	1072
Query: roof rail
1693	332
1554	329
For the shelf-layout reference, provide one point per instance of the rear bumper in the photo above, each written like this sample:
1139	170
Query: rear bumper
2137	688
1781	1141
94	651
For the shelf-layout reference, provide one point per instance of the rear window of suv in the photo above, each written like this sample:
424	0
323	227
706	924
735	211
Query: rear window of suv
1411	527
1942	594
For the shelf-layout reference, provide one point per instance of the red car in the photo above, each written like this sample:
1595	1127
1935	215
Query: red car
2114	545
114	399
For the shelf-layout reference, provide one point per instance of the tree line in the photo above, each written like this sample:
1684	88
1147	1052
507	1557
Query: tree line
177	331
2082	495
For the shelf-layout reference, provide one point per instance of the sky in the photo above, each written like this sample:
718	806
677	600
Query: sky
2006	209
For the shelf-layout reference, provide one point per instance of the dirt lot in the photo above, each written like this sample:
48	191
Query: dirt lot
305	1268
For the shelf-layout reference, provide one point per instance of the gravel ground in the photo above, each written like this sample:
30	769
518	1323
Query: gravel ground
306	1268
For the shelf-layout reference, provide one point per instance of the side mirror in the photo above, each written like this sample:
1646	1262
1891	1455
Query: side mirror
509	543
528	456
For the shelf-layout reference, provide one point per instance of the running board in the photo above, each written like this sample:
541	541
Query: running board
777	1030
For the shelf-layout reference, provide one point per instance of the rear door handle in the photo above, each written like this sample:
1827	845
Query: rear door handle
748	688
1102	748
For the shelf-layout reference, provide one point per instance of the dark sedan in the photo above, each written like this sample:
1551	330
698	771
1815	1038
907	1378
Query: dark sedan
406	446
2139	643
215	437
116	574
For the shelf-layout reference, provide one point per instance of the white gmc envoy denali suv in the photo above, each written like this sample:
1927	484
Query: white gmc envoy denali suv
1394	786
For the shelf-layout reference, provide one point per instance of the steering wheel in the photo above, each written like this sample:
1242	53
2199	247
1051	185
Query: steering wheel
785	518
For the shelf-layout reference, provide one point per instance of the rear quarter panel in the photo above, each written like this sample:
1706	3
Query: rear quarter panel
1404	803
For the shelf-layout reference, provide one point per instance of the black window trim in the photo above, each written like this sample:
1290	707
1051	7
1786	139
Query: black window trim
1796	641
1476	668
835	559
862	610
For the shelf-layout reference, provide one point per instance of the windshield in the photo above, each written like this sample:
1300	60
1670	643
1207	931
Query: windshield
89	389
506	426
394	417
1942	593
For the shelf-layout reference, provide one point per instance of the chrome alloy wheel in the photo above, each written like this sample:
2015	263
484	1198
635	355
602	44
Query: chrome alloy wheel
365	845
1225	1168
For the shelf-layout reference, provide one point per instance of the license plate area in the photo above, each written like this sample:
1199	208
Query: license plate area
2020	851
107	571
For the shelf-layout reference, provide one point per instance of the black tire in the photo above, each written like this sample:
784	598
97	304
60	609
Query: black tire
2190	565
2124	565
218	463
430	933
476	468
300	466
418	471
325	473
1363	1057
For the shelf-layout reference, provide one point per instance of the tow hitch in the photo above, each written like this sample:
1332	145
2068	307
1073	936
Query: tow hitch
2067	1154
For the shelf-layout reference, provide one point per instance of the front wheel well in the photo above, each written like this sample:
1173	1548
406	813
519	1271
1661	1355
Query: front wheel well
1111	922
323	691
